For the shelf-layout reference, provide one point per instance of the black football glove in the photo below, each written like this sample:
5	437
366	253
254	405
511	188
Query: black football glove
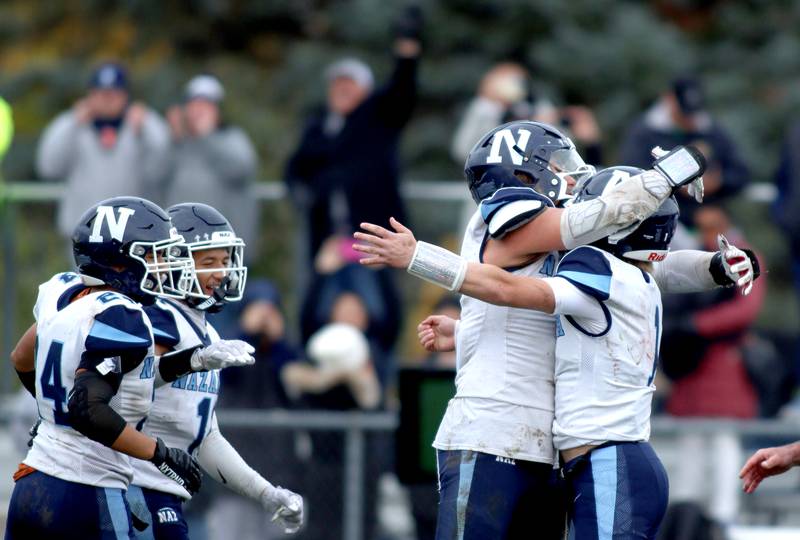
409	24
177	465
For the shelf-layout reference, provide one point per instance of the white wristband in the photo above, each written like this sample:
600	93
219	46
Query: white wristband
438	265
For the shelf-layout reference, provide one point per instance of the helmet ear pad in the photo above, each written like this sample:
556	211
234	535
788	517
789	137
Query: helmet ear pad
493	178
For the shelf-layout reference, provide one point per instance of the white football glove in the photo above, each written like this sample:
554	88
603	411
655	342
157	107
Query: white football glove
223	354
694	188
285	506
737	264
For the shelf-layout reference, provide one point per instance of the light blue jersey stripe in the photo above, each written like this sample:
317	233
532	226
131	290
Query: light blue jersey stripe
103	331
604	475
465	472
117	512
595	281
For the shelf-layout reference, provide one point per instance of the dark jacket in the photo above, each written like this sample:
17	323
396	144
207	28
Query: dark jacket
653	128
787	179
361	160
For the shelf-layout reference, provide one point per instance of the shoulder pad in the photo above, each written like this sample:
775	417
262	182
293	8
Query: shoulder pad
588	269
60	288
165	329
510	208
118	330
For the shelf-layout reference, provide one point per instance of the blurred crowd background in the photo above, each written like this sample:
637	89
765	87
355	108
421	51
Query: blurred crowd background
300	119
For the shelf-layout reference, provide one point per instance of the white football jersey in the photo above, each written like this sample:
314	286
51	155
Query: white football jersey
505	360
182	410
604	374
106	331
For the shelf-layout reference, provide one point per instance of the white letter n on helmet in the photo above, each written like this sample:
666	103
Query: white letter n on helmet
115	226
505	135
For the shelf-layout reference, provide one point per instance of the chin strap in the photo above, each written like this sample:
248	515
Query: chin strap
219	295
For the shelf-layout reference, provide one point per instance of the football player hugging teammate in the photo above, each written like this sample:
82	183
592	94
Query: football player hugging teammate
187	381
516	353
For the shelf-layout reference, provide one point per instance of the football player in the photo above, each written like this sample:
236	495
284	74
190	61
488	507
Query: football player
605	357
495	440
93	378
183	409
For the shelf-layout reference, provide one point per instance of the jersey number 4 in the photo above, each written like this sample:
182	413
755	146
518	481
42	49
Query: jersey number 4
52	387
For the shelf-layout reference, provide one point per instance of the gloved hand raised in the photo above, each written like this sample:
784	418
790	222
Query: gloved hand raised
695	186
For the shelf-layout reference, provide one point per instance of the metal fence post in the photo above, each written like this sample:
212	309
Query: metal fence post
353	489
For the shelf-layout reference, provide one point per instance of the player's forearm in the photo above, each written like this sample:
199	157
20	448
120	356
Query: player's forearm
685	271
496	286
22	357
482	281
221	460
134	443
625	204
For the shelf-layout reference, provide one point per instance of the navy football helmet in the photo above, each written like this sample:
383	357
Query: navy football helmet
129	244
538	151
649	241
203	227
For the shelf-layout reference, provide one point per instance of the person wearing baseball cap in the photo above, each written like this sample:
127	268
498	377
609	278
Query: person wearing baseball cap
213	162
681	116
105	146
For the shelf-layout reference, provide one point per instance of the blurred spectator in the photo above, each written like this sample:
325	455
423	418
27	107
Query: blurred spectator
680	117
505	94
786	209
213	161
343	291
261	324
258	386
713	379
339	377
105	146
346	168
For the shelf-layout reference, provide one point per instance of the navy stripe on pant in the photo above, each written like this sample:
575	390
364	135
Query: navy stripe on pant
618	492
161	511
43	506
484	496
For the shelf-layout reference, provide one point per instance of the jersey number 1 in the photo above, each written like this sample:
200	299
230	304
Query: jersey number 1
203	411
52	387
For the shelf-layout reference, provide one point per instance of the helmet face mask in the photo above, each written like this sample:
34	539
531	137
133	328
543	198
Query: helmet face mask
165	266
234	274
537	150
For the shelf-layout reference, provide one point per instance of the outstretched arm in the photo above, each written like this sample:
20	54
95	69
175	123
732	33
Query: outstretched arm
687	271
485	282
622	206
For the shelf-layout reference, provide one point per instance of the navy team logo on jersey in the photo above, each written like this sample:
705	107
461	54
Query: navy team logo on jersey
167	515
201	381
115	224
